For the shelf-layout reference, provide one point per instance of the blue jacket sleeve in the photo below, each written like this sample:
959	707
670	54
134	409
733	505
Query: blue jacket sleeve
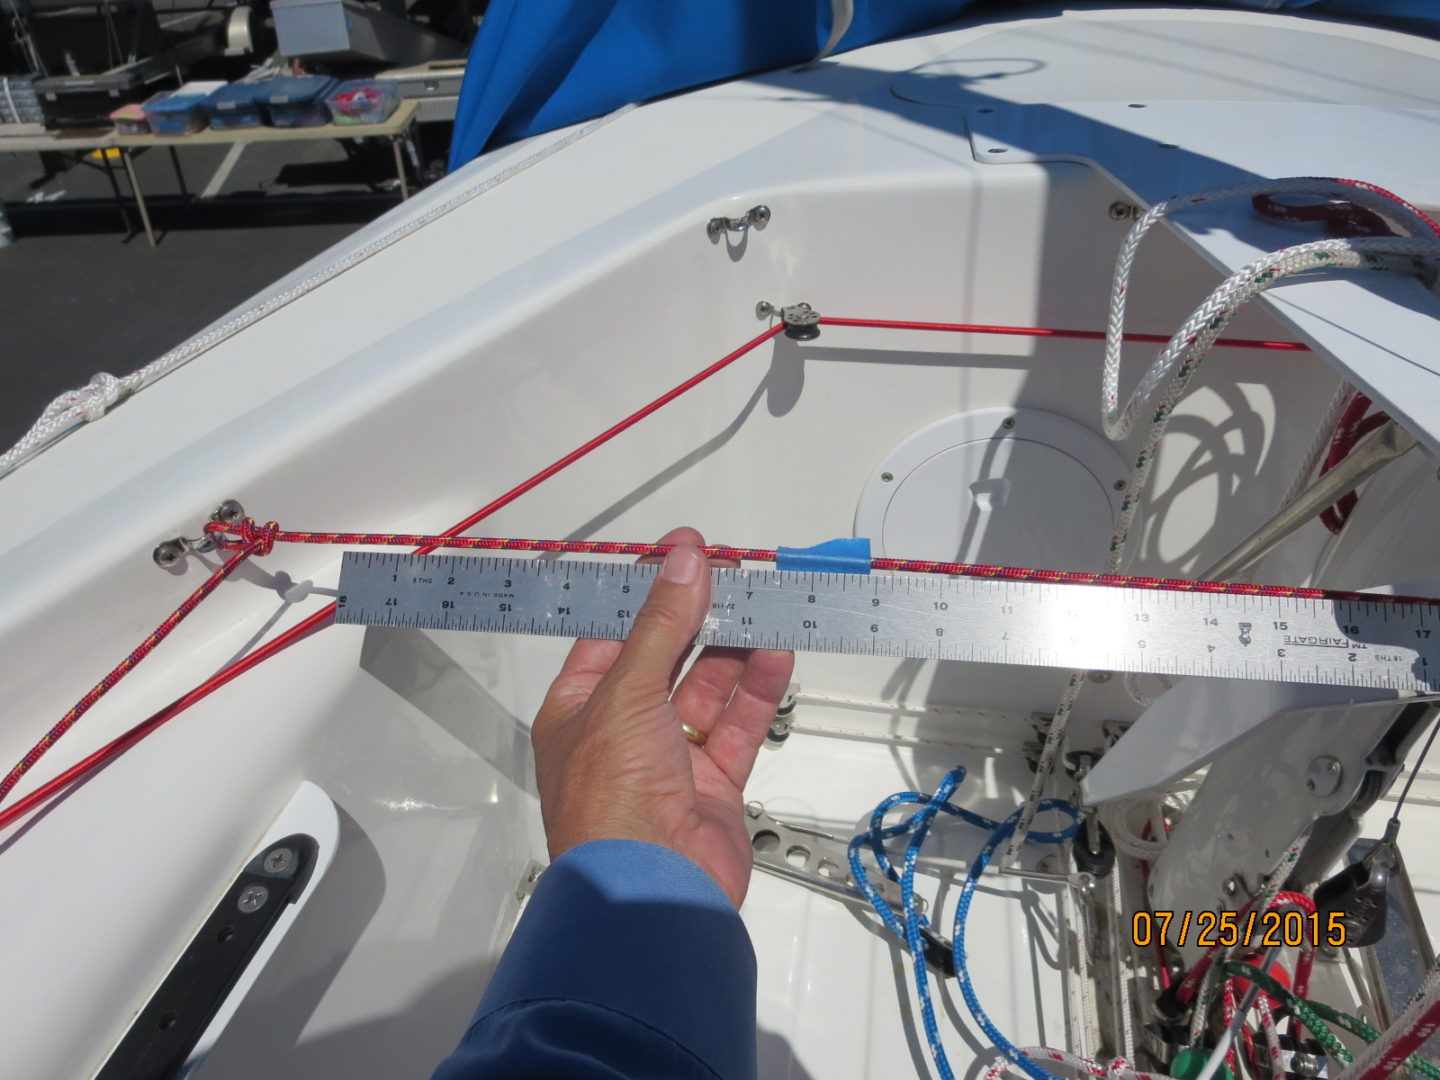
629	963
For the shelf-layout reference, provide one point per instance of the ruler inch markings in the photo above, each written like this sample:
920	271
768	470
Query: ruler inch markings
982	620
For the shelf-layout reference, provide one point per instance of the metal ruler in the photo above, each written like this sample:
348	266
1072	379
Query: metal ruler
1277	639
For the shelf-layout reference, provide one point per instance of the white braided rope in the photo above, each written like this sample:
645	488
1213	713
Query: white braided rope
1321	443
1117	421
1368	1060
1120	949
1119	1069
1182	358
1113	816
76	407
1084	988
1275	1055
1209	988
1205	996
1244	285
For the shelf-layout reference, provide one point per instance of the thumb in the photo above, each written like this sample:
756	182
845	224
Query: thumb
669	620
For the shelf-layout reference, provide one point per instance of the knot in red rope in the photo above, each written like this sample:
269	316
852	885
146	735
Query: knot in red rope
260	539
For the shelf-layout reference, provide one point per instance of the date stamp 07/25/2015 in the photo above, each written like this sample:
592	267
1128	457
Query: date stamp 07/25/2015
1229	929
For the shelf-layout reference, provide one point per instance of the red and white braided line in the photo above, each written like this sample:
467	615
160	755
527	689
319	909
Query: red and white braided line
1274	1054
250	535
1118	1069
140	652
1201	981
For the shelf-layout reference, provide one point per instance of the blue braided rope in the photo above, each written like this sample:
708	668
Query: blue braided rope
962	913
910	930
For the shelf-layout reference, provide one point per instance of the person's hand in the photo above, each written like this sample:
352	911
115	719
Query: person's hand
611	757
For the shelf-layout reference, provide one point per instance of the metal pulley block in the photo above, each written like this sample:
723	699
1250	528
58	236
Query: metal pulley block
801	321
784	720
1358	895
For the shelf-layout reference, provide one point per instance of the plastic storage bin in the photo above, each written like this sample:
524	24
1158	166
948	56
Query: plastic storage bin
362	101
19	103
183	112
83	101
297	100
236	105
130	120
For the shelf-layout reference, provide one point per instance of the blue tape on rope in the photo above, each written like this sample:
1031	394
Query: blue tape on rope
843	556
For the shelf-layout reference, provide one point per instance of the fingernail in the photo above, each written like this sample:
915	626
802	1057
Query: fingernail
682	566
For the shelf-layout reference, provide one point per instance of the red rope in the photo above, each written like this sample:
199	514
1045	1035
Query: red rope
254	539
1353	426
1342	218
1162	969
609	433
262	540
144	649
118	746
1050	332
248	534
1191	982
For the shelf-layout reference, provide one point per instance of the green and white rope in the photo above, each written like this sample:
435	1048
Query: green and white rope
1117	420
1179	361
1190	343
1211	985
1324	431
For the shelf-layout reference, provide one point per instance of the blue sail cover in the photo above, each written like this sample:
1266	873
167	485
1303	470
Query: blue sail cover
537	65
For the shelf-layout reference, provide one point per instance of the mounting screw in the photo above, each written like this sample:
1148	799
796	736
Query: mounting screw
754	808
252	899
1322	778
229	512
1120	485
765	309
886	477
169	553
278	861
716	227
780	728
1231	886
1008	422
1099	676
1123	211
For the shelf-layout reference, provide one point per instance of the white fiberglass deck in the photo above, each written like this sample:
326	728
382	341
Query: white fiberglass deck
446	369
